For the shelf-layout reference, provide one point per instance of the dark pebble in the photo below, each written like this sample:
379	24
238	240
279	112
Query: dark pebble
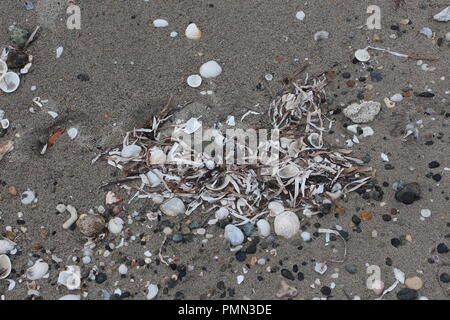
100	278
408	193
240	256
407	294
287	274
346	75
437	177
433	164
179	295
442	248
386	217
396	242
300	276
425	95
445	277
83	77
356	220
326	291
376	76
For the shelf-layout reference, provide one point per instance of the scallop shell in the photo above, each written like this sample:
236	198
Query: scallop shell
362	55
287	224
37	271
91	224
194	81
9	82
193	32
173	207
210	69
5	266
115	225
288	171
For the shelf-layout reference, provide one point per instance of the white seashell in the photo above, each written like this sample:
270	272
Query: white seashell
157	156
234	235
225	182
173	34
73	216
10	82
72	132
443	16
362	55
37	271
427	32
306	236
426	213
399	275
222	213
194	81
70	278
300	15
263	228
384	157
210	69
6	246
115	225
287	224
210	164
28	197
396	97
123	269
26	68
3	69
320	267
193	32
315	141
53	114
288	171
59	52
160	23
71	297
321	35
275	208
153	179
5	266
173	207
4	123
131	151
152	291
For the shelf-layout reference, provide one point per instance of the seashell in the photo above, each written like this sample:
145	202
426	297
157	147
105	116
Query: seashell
173	207
28	197
115	225
157	156
5	266
396	97
288	171
223	185
131	151
6	147
70	278
306	236
10	82
4	123
194	81
234	235
152	291
153	179
321	35
300	15
275	208
362	112
210	69
210	164
320	267
71	297
362	55
73	216
443	16
6	246
287	224
222	213
26	68
427	32
160	23
315	140
3	69
73	132
263	228
91	224
37	271
193	32
59	52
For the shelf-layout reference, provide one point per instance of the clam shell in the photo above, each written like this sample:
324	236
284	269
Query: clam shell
287	224
234	235
193	32
194	81
173	207
37	271
131	151
275	208
263	228
210	69
115	225
315	141
288	171
5	266
6	246
91	224
153	179
10	82
152	291
362	55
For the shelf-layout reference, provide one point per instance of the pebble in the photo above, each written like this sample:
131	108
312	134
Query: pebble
396	97
407	294
100	278
287	274
442	248
300	15
414	283
445	277
408	193
351	268
376	76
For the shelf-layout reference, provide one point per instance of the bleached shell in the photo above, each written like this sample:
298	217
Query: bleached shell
6	246
70	278
210	69
193	32
443	16
157	156
234	235
287	224
3	68
5	266
314	140
300	15
153	179
73	132
90	224
10	82
321	35
28	197
427	32
37	271
222	213
173	207
263	228
70	297
115	225
194	81
288	171
152	291
362	55
4	123
160	23
275	208
131	151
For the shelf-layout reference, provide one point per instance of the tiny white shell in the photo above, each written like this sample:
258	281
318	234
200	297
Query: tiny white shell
234	235
72	132
222	213
160	23
210	69
426	213
131	151
193	32
321	35
115	225
6	246
59	52
157	156
5	266
173	207
37	271
3	69
275	208
300	15
152	291
287	224
4	123
194	81
362	55
28	197
123	269
10	82
263	228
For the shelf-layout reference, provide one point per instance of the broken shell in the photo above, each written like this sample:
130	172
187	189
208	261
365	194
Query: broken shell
427	32
131	151
321	35
193	32
287	224
300	15
157	156
70	278
362	112
5	266
263	228
315	140
6	246
4	123
362	55
225	182
222	213
37	271
275	208
73	132
3	69
6	147
152	291
234	235
28	197
288	171
91	224
443	16
160	23
9	82
286	291
73	217
115	225
153	179
194	81
210	69
173	207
